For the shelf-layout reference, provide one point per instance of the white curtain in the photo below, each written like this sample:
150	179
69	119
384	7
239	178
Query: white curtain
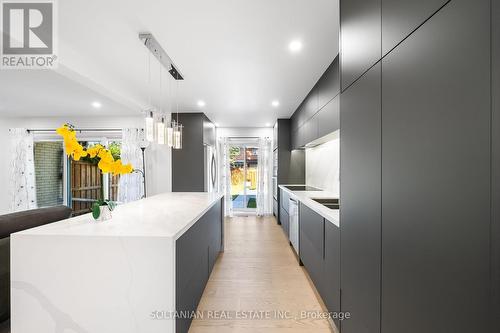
22	188
264	185
225	176
131	186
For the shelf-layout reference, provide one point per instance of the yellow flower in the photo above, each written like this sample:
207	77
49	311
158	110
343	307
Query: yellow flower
94	150
106	163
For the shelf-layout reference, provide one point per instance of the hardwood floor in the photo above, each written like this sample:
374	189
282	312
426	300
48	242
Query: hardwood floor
258	272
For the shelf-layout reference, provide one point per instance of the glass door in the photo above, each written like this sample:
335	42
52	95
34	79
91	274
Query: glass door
244	177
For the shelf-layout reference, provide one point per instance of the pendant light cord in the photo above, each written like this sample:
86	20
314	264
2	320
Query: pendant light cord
149	79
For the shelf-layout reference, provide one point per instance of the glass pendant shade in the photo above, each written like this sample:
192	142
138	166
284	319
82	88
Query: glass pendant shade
150	127
170	136
161	131
178	136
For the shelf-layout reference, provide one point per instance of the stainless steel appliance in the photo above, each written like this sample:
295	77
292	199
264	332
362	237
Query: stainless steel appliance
211	179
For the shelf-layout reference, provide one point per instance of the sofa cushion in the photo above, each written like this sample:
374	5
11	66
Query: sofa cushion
14	222
4	279
11	223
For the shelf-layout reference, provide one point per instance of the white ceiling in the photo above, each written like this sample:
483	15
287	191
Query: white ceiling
233	53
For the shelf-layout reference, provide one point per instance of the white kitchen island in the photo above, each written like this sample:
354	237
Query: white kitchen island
79	275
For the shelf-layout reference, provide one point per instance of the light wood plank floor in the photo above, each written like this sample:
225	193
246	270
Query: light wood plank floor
258	272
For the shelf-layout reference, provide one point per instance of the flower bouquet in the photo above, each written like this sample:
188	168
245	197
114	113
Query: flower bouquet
101	209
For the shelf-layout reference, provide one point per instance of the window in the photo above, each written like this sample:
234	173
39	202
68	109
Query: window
49	159
62	181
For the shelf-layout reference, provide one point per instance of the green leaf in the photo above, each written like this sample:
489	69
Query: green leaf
96	210
111	204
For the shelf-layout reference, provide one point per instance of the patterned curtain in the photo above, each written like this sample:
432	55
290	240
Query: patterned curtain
264	185
225	176
22	170
131	186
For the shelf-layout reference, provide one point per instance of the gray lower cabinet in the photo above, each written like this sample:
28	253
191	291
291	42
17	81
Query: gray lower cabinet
284	198
436	175
319	242
311	244
196	252
360	167
331	283
285	223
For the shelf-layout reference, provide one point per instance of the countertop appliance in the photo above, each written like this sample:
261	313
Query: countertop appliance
294	224
211	183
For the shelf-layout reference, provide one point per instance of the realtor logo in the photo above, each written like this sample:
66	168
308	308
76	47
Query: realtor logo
28	34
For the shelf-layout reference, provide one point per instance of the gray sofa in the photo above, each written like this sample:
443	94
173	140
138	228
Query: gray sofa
11	223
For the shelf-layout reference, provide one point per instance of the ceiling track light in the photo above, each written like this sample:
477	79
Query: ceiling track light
155	48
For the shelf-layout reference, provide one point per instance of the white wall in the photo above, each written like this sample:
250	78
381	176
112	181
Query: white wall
323	166
158	158
245	132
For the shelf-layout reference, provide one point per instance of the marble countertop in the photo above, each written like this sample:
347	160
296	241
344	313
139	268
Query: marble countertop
162	215
306	197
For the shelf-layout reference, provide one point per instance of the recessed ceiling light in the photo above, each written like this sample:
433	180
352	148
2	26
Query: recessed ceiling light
295	46
268	124
275	103
201	104
96	105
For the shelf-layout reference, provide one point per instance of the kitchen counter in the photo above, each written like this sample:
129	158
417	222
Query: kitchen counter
306	198
110	276
163	215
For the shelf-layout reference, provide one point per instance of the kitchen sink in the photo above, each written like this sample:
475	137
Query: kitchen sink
332	203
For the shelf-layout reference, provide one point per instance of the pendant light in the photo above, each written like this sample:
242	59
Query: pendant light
150	126
170	133
149	120
177	127
160	126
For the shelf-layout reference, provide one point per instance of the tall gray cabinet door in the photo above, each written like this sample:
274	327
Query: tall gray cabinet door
360	38
436	175
401	17
495	149
360	163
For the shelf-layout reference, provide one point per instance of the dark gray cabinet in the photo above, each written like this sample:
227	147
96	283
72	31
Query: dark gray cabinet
196	252
291	164
360	32
401	17
284	197
360	169
311	245
436	174
328	117
311	105
319	242
188	163
285	222
328	85
318	114
331	283
310	130
495	149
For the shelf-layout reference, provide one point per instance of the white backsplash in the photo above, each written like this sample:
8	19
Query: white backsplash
323	166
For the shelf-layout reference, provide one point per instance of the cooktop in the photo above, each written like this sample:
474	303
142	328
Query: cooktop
302	188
